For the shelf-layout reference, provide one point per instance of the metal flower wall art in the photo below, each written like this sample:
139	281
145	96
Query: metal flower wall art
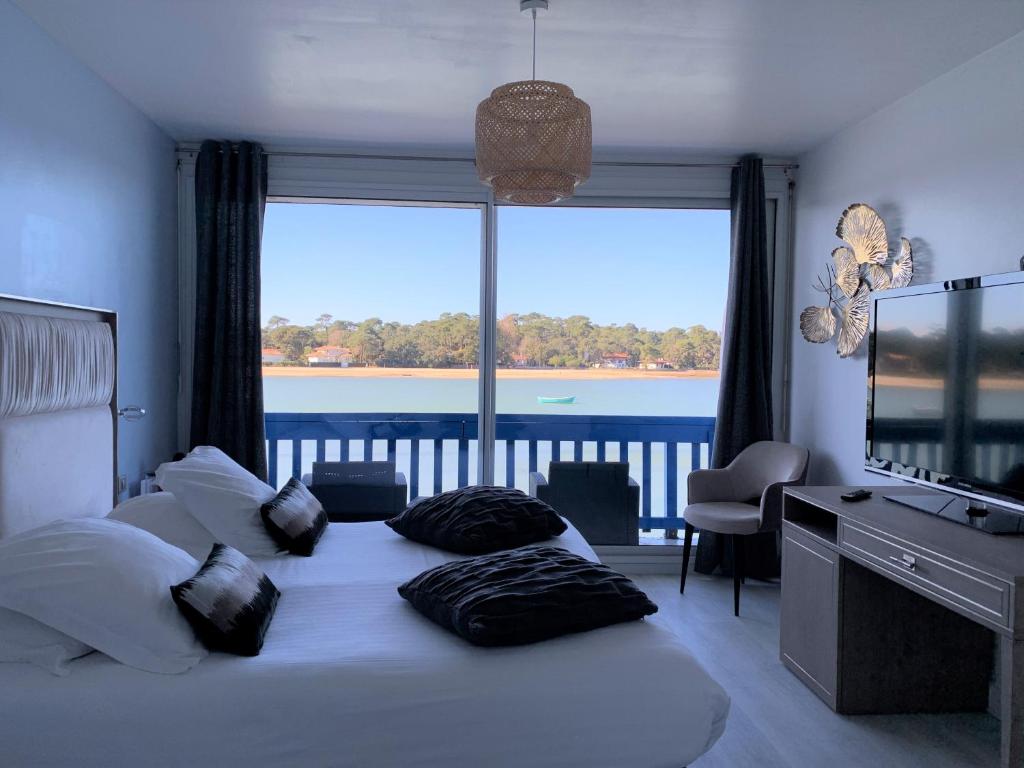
857	268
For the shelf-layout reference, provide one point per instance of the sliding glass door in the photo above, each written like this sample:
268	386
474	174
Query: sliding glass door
600	342
370	312
608	337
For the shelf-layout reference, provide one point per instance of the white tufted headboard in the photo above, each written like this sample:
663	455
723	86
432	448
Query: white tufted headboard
58	414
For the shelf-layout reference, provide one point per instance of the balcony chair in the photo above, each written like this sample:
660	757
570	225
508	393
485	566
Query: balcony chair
599	498
357	491
742	499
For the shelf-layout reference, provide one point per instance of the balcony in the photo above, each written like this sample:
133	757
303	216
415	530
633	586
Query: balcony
436	450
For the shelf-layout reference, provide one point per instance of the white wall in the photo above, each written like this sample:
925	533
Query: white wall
88	216
945	167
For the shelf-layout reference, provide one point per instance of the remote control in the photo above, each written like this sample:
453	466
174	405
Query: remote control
858	495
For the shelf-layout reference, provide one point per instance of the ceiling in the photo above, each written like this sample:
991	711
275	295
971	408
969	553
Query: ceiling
693	76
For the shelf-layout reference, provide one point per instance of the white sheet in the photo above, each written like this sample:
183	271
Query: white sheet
351	553
351	675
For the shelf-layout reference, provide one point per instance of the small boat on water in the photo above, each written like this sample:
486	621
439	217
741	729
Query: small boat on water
567	400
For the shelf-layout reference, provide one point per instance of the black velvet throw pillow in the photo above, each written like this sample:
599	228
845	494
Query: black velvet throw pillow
524	596
478	519
229	602
295	519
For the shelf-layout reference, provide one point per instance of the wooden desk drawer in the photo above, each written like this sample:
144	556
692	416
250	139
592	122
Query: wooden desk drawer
973	591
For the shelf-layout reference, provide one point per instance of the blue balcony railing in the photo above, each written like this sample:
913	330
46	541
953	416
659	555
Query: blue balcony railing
437	451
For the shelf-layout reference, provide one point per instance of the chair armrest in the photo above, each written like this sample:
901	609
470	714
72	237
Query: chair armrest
771	505
538	483
710	485
401	492
633	499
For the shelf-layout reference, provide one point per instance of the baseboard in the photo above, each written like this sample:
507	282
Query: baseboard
643	559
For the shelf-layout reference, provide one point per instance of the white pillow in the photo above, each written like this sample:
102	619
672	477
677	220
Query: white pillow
106	584
223	496
165	517
23	639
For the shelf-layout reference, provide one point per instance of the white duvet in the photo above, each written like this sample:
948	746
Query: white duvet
351	675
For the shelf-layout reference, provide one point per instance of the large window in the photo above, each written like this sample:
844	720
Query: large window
606	340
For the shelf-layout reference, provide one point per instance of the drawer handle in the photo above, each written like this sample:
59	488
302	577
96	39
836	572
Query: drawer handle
904	561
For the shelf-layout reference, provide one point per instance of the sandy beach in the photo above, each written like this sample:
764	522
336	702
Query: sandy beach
560	374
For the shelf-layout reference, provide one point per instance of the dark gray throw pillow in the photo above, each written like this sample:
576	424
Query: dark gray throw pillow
295	519
524	596
229	602
478	519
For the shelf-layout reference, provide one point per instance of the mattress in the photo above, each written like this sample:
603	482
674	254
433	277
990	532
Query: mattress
351	675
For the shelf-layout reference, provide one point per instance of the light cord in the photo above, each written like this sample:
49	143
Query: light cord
534	12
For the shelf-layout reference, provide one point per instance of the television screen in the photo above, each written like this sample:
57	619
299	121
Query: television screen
947	399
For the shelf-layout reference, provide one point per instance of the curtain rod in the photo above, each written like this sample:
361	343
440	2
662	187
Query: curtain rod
436	158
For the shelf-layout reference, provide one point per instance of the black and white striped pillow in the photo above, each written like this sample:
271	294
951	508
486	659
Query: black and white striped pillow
229	602
295	519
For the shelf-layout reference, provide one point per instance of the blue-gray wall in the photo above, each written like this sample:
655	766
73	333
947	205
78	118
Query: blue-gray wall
945	167
88	216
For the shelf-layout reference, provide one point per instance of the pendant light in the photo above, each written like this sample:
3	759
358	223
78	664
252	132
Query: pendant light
533	137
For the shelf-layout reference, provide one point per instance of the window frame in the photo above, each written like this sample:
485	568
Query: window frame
368	179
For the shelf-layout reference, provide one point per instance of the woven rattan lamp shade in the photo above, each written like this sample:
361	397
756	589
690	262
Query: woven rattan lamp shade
533	141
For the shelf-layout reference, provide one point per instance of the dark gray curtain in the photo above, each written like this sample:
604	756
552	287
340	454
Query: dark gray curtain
744	397
227	384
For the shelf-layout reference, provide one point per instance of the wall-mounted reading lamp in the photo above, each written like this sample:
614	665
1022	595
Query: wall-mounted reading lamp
131	413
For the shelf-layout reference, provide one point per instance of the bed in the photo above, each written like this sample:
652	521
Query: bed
351	675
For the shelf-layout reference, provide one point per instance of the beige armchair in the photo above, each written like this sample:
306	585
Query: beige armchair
741	499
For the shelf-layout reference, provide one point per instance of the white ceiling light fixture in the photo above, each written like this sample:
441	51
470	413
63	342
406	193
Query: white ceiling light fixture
533	137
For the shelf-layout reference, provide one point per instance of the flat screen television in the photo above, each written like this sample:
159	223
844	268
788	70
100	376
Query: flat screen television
946	387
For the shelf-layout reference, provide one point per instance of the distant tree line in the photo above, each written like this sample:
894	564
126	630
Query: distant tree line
533	340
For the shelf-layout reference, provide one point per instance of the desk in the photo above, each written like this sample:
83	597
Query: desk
886	609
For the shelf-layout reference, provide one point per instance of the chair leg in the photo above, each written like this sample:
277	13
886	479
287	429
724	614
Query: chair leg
737	571
687	543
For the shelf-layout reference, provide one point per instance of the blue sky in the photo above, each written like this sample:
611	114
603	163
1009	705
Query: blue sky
656	268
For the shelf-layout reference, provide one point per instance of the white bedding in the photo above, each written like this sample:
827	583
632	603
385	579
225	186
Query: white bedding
351	675
372	552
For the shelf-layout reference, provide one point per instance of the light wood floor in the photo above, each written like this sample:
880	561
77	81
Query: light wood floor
775	721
